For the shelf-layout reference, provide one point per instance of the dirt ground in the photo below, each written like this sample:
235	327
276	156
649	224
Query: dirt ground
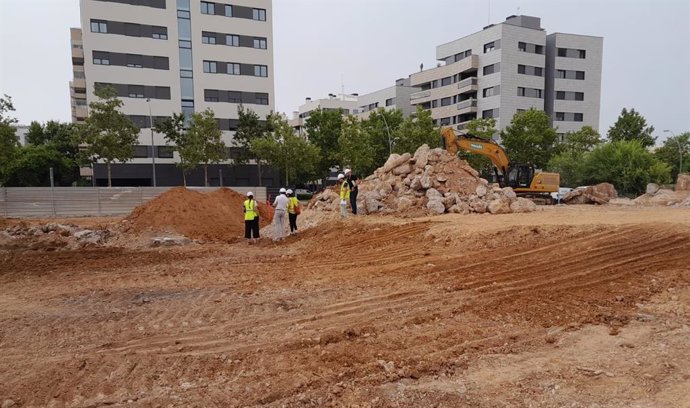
566	307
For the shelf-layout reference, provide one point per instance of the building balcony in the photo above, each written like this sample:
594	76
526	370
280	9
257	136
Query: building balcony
468	85
420	95
467	106
79	83
77	53
465	65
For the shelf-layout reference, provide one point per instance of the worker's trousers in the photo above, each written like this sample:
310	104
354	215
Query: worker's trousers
279	220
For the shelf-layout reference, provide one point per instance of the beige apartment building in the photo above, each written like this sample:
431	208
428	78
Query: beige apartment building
169	56
513	66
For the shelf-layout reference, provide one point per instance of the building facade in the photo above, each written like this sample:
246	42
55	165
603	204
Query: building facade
169	56
345	103
393	97
510	67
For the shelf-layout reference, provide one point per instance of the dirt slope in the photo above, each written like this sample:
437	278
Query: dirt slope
359	313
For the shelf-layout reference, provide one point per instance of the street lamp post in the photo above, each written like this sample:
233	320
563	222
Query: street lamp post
388	131
680	150
153	152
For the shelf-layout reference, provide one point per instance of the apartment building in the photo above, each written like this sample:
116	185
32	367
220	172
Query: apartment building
169	56
505	68
345	103
393	97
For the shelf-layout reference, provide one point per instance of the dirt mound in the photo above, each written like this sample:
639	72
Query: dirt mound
215	216
431	180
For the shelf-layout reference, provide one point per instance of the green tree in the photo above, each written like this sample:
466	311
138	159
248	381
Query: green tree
627	165
671	152
173	129
529	138
323	128
249	127
632	126
62	138
204	131
383	128
32	163
583	140
356	147
108	134
484	128
569	161
8	137
297	157
416	131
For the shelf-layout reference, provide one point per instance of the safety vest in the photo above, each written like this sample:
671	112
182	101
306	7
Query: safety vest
249	211
292	203
345	191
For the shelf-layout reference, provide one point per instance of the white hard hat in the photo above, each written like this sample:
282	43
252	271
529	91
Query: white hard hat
341	176
282	191
347	171
250	194
289	191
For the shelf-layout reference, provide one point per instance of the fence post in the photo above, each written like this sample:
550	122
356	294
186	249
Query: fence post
98	199
4	195
52	191
141	196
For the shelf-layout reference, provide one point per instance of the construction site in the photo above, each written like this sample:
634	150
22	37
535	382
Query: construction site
446	291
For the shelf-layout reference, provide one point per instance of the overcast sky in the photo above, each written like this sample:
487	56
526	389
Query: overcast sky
364	45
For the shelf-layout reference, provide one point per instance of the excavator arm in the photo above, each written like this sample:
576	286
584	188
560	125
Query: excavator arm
473	144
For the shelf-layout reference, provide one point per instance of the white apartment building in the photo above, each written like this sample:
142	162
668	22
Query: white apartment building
393	97
345	103
170	56
510	67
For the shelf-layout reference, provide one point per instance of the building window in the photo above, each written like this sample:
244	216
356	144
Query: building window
571	53
260	43
488	47
135	61
570	96
210	67
490	113
233	69
262	99
186	73
260	70
531	48
568	74
183	14
434	103
99	26
135	91
165	152
259	14
211	95
446	101
228	10
530	70
446	81
159	33
101	61
232	40
208	39
529	92
373	106
494	90
208	8
569	117
389	102
445	121
490	69
79	75
234	97
185	44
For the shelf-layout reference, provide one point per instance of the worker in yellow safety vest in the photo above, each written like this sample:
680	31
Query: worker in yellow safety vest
251	219
293	211
344	195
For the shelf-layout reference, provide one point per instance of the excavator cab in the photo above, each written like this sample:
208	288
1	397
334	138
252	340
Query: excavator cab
520	176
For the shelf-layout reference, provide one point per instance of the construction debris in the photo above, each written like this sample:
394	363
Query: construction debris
431	181
51	237
664	197
600	193
683	182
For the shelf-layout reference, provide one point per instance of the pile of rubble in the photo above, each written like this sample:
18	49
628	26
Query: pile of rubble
52	236
431	180
601	193
657	196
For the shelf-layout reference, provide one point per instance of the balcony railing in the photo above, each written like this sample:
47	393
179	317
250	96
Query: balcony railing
420	95
467	82
470	103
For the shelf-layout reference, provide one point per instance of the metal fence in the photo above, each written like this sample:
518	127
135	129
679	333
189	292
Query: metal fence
86	201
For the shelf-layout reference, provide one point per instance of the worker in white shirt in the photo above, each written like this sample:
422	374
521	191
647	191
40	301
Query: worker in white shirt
281	205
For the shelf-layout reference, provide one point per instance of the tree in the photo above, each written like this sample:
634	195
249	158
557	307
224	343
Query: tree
416	131
529	138
285	150
583	140
671	152
173	129
8	137
323	128
569	161
484	128
249	128
632	126
627	165
60	137
357	149
32	163
205	132
383	128
109	134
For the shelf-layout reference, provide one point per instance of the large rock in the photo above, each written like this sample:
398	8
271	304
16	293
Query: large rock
402	170
421	156
426	182
509	193
395	160
522	205
481	190
436	206
371	205
683	182
478	206
460	208
597	194
652	188
433	193
499	206
404	203
416	183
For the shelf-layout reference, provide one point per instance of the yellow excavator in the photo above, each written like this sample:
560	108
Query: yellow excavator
524	179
